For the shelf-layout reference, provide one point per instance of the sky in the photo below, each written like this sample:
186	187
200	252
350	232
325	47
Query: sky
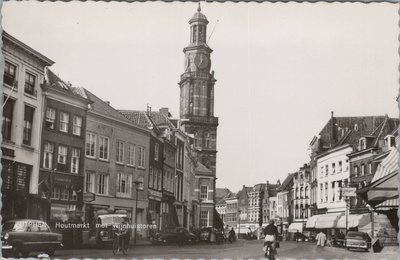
281	68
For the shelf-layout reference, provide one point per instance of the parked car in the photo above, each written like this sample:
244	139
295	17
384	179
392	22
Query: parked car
22	236
301	237
171	235
104	229
355	239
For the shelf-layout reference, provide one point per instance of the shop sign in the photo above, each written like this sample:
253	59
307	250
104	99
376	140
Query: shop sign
89	197
349	192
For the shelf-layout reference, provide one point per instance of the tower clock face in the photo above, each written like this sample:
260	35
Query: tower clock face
201	61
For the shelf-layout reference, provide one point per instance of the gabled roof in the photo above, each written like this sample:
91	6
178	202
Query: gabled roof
52	81
137	117
203	170
286	183
222	192
104	108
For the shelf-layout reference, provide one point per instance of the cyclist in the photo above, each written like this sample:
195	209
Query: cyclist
271	234
124	232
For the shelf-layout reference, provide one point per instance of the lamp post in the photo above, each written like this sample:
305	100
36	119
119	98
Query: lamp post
137	187
239	211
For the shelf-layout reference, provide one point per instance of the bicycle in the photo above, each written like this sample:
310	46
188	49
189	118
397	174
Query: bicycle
119	243
269	251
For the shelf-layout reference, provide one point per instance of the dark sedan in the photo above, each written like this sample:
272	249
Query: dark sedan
358	240
174	235
28	235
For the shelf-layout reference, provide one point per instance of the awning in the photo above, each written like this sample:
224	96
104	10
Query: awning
354	220
328	220
385	183
385	188
388	204
294	227
312	221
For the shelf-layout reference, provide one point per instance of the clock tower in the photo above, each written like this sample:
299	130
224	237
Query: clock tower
197	93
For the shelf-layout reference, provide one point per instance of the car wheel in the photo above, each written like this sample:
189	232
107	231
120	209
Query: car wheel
25	253
15	251
50	251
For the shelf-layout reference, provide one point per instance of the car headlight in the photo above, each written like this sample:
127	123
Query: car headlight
6	236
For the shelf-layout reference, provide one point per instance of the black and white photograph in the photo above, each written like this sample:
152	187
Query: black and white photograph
200	130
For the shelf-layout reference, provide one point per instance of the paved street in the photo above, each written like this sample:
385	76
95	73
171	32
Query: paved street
240	249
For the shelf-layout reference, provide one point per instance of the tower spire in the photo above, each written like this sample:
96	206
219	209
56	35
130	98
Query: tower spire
199	8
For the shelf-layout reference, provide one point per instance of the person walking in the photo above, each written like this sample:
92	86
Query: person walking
321	239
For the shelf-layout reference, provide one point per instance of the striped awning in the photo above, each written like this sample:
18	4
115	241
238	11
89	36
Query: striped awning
388	165
384	187
388	204
328	220
354	220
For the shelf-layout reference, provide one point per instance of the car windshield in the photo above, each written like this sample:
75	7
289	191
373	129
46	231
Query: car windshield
15	226
354	235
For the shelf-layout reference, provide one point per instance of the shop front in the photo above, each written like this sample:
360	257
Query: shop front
327	223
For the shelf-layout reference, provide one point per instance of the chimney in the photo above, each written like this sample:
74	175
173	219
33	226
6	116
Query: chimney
164	111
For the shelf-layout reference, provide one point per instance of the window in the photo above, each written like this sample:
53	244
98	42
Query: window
55	193
8	111
50	117
131	155
159	187
64	122
120	152
340	166
141	157
10	73
204	219
333	168
77	125
333	191
340	188
156	152
48	155
90	145
362	169
321	190
102	184
362	144
326	170
151	178
89	183
74	196
356	171
65	194
369	168
62	154
75	155
103	148
30	84
204	192
28	121
124	182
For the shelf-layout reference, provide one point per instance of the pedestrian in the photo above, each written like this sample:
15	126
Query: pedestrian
321	239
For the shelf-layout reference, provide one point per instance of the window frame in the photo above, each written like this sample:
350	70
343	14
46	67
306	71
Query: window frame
64	122
120	147
104	185
60	155
77	162
28	85
131	154
76	125
50	120
45	153
106	150
88	142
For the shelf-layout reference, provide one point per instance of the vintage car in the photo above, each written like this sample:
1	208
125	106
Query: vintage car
171	235
105	227
359	240
22	236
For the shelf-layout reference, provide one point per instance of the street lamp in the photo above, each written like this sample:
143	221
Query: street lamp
239	211
138	185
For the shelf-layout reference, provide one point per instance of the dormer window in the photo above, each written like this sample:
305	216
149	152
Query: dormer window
362	144
390	141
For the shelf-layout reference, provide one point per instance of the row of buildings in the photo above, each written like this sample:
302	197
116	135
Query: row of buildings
68	155
328	192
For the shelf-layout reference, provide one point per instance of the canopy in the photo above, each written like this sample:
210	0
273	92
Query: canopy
311	221
328	220
294	227
354	220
